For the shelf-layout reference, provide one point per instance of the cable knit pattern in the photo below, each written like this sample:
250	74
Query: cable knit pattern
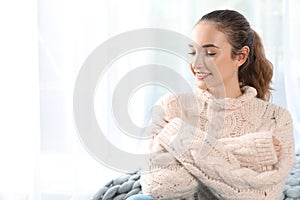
209	148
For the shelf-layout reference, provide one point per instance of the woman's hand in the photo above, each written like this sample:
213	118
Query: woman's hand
277	146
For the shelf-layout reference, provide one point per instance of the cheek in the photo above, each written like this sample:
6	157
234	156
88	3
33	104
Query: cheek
225	67
220	64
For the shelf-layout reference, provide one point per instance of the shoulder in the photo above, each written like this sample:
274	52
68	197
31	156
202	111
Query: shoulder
264	110
281	115
177	103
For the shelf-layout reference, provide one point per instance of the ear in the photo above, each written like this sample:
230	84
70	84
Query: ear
242	55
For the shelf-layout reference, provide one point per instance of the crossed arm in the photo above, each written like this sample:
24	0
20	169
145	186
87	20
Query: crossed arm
255	163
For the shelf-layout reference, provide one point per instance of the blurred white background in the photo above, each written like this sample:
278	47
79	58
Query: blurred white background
42	47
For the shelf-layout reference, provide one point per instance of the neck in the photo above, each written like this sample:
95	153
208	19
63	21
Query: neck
220	92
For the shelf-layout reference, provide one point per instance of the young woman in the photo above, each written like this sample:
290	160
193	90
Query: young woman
225	140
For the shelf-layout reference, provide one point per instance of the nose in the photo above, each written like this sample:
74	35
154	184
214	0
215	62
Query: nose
198	61
197	66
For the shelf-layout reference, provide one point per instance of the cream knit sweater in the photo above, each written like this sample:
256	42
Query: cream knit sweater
218	148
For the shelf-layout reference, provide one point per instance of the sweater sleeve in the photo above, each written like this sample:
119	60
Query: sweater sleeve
253	150
221	170
165	109
167	178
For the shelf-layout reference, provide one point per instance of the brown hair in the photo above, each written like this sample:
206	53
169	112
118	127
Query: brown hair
257	71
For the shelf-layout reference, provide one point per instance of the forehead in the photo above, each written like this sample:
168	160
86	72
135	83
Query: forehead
206	33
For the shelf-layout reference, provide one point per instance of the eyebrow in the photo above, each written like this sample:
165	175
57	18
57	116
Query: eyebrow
206	46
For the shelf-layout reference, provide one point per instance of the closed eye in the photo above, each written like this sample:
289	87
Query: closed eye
210	54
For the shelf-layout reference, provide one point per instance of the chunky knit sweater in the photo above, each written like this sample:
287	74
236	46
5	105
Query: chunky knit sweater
208	148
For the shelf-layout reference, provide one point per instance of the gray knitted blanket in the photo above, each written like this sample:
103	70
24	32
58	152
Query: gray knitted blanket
129	184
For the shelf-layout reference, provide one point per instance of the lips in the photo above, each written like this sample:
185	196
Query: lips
202	75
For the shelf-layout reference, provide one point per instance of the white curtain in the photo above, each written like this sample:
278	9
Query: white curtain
42	51
19	102
290	68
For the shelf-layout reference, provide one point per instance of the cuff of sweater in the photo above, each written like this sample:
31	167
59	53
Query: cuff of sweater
266	153
255	149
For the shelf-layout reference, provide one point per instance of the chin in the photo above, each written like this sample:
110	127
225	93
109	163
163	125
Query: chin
201	84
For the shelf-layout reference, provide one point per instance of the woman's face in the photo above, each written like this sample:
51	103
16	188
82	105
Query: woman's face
212	64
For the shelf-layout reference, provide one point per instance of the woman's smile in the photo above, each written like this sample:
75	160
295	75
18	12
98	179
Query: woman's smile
202	75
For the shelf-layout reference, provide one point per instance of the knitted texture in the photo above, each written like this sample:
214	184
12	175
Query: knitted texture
291	189
120	188
223	148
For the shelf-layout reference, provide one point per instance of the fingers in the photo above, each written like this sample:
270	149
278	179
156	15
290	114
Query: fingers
167	119
277	149
162	123
158	125
277	146
275	141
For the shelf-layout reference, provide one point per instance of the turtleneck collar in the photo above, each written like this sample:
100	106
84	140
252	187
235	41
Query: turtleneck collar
248	93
